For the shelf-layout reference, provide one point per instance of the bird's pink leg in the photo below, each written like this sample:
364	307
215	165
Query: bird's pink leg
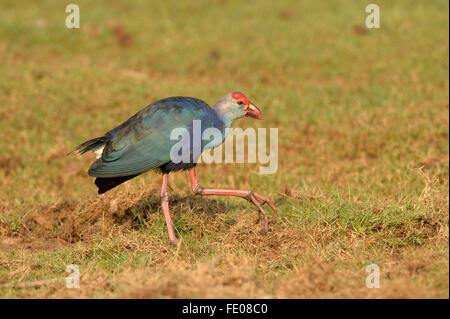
165	207
254	198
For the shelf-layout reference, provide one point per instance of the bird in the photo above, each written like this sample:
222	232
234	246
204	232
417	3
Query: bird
143	143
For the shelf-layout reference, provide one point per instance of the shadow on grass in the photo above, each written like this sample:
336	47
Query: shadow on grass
149	206
73	221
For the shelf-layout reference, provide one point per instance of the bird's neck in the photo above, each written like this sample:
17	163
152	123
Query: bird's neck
223	112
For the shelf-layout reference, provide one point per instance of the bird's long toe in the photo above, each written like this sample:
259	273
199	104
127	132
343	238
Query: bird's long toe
259	200
261	210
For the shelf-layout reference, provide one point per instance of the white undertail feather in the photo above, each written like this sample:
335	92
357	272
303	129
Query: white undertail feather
98	151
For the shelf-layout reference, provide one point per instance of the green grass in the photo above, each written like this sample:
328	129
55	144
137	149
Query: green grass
363	148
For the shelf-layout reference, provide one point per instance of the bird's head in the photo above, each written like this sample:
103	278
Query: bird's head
246	107
236	105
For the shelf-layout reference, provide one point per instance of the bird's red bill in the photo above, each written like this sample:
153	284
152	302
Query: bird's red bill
253	112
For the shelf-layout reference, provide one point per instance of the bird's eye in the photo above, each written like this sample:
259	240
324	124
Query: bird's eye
240	102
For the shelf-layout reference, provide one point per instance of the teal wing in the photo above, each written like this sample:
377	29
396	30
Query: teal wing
143	142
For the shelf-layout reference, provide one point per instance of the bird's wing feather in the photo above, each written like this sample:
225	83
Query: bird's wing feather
144	143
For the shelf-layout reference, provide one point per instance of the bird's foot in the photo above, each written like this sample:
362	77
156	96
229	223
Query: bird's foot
173	244
258	201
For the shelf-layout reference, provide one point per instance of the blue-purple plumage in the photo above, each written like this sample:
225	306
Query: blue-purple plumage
143	142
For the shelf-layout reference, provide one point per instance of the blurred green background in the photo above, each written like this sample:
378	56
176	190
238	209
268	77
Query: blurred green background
362	116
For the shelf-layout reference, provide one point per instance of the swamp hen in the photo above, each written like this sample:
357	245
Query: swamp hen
144	143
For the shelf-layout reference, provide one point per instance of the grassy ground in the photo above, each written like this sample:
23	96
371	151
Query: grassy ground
363	149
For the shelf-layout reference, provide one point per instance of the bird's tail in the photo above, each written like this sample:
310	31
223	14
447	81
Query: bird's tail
104	184
90	145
